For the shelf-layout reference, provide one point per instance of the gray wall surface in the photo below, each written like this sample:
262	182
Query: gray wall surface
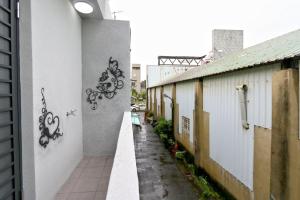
226	42
100	41
51	58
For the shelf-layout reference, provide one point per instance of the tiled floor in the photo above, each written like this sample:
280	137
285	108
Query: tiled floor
89	181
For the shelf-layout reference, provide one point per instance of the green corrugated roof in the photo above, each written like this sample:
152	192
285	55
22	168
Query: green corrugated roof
276	49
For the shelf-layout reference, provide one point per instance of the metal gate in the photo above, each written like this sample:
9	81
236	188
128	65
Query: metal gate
10	176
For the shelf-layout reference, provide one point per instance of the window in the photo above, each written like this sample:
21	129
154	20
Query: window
185	125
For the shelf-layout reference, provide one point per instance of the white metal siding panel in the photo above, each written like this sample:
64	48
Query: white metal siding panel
168	102
230	144
158	100
185	97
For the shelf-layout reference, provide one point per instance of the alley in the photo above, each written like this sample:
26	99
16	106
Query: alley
159	177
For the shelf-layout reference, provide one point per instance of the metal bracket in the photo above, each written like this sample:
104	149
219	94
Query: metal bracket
72	112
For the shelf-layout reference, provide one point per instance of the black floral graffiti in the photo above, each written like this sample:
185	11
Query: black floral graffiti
49	124
108	84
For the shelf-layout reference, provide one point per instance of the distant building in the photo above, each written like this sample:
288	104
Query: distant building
225	42
136	77
143	86
159	73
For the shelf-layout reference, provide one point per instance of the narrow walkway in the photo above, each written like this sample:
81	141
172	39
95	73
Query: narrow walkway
89	181
159	177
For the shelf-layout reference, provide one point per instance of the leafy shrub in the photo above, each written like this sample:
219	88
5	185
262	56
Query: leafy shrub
164	127
180	155
208	191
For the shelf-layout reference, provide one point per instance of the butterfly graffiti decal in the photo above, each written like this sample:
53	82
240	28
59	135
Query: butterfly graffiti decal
109	82
49	124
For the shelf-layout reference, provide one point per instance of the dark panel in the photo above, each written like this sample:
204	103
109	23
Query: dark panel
5	147
6	190
6	174
10	170
5	17
5	59
4	30
5	88
5	159
5	73
5	3
5	44
5	134
5	116
5	102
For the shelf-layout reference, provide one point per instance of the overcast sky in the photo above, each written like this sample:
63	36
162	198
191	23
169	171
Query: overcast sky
183	27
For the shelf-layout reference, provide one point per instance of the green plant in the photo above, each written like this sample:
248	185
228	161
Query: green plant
171	142
180	155
163	137
207	190
134	93
192	168
143	94
164	127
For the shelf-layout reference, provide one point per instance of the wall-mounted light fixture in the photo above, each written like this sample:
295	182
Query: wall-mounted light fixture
242	92
83	7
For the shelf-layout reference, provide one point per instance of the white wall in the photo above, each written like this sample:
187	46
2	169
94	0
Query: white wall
100	41
158	100
230	144
168	108
57	66
185	98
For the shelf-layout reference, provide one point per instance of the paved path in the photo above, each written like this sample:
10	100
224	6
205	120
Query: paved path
159	177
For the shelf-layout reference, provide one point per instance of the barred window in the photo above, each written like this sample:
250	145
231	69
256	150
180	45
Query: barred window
185	125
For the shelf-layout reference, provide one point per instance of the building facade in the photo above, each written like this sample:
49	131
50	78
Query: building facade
239	117
136	77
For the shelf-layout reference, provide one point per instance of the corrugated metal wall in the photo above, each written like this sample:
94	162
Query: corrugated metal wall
168	102
185	98
230	144
158	107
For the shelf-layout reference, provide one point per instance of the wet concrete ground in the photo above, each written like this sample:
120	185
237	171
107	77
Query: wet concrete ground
159	177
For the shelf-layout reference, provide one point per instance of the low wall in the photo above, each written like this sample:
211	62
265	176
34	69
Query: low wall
124	182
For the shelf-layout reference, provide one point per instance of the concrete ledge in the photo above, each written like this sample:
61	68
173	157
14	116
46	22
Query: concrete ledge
123	183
